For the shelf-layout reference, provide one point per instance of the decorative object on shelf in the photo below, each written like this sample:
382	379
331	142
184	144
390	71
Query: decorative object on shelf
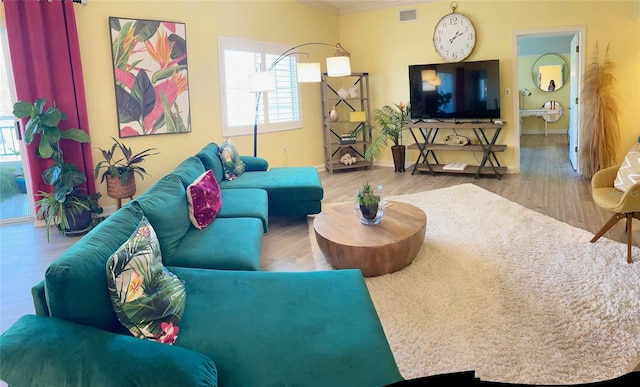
351	92
343	93
454	37
347	159
357	116
392	121
599	126
368	206
150	76
456	139
120	172
334	115
347	139
67	207
338	65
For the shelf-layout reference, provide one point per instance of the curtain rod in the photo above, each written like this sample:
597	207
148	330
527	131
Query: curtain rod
83	2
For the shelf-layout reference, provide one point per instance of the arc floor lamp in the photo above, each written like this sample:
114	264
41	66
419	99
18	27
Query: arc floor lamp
263	81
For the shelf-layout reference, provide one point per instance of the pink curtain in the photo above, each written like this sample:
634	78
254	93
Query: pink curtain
45	58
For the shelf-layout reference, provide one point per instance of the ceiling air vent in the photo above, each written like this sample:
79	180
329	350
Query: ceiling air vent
408	15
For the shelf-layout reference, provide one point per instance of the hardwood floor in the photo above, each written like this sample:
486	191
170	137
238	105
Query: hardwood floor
547	184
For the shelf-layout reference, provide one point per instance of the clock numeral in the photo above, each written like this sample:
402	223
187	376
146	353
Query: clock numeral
453	20
438	39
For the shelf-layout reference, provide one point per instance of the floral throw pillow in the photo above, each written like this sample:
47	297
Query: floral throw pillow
231	163
203	196
147	298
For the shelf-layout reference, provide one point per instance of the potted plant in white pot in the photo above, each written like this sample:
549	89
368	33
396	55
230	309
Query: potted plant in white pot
120	171
67	207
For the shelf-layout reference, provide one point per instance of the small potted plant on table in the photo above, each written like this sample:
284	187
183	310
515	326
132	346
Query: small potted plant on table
367	206
119	172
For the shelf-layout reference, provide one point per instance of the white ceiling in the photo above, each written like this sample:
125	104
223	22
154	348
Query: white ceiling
342	7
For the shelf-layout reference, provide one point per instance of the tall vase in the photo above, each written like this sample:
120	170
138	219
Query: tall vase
398	152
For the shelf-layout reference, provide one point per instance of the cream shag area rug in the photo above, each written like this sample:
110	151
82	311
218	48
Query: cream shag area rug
515	295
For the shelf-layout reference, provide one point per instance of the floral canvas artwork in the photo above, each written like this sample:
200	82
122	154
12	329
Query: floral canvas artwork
150	73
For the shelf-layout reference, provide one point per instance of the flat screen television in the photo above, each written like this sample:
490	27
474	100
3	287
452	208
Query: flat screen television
464	91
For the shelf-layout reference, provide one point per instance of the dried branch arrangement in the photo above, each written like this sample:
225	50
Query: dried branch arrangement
599	128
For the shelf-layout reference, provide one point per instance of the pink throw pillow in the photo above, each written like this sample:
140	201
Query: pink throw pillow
204	200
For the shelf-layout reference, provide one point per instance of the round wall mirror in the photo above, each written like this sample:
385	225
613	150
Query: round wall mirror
550	72
555	111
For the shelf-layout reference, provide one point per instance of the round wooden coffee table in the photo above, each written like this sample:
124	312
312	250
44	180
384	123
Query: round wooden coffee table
374	249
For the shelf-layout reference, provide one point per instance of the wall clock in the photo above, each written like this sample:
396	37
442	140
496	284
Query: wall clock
454	36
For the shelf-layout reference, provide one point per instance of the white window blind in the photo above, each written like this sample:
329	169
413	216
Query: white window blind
279	109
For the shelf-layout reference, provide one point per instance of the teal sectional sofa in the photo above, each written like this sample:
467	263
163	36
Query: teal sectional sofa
240	327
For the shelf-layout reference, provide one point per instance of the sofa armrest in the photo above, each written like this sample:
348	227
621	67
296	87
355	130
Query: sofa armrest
40	299
252	164
38	351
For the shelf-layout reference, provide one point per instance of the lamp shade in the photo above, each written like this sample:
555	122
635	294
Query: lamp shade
308	72
262	81
338	66
436	81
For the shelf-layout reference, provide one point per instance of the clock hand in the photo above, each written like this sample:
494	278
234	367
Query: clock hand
458	33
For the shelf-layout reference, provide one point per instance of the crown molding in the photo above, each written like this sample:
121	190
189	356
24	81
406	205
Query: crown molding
355	6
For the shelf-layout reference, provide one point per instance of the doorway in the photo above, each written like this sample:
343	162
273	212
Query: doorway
15	202
558	50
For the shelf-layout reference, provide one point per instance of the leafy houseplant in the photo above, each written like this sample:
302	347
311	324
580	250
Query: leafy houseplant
66	202
120	171
392	121
367	205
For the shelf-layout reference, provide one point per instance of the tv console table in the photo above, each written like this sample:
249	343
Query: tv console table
425	134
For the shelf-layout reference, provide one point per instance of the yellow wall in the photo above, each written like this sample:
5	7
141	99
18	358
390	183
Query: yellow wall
378	42
286	22
383	46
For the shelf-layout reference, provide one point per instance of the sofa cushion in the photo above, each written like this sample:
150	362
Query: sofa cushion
203	197
286	329
245	203
291	191
252	163
189	170
76	284
210	158
147	298
226	244
629	170
44	351
165	205
231	163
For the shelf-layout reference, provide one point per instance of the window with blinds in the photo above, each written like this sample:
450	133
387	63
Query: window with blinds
275	110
